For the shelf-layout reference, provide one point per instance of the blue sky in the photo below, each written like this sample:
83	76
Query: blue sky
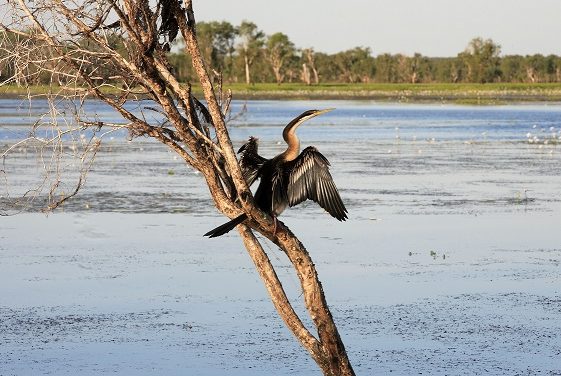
431	27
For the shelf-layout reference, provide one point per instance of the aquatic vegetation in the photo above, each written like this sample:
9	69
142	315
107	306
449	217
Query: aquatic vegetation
432	253
522	197
435	255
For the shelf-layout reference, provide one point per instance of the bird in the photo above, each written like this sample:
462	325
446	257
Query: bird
288	179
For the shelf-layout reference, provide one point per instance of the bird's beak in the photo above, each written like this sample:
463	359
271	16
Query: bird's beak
320	112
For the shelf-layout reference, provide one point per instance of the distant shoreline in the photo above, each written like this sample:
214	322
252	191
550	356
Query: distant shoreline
402	97
483	94
445	92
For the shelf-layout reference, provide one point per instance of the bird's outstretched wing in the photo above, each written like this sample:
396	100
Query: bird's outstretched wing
309	178
250	161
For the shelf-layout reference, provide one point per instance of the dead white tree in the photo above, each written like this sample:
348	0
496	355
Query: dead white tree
85	47
308	55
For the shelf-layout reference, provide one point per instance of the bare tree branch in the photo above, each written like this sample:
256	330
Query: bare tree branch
115	51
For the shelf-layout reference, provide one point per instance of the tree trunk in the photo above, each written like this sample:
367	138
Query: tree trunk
531	74
328	351
278	75
246	64
306	74
316	75
332	357
309	54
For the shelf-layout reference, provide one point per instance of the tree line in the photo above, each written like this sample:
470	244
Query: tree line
245	54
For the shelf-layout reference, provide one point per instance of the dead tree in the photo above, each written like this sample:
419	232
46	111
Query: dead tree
84	47
308	55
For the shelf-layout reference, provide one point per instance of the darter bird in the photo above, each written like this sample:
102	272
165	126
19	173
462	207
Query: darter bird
289	178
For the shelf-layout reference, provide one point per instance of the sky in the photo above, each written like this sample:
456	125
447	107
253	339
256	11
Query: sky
431	27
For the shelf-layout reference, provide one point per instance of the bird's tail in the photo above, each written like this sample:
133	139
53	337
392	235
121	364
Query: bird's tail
226	227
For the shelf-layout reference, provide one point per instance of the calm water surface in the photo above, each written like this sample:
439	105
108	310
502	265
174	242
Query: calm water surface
450	262
359	119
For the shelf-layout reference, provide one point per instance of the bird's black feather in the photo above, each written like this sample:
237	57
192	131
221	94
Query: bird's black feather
250	161
309	178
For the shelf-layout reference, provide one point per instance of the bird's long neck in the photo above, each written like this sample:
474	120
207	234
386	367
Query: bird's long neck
289	135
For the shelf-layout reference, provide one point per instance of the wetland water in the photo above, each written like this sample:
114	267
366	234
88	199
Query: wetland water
449	264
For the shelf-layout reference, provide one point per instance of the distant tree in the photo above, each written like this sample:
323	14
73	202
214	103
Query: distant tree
481	58
355	65
205	34
225	36
244	53
326	69
217	43
293	68
386	68
512	68
440	69
309	70
535	67
279	49
541	68
457	71
552	68
557	68
413	69
249	46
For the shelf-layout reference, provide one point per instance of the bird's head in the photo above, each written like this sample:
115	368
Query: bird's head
306	115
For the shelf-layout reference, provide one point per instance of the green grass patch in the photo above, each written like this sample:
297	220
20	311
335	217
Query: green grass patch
387	87
482	94
465	93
